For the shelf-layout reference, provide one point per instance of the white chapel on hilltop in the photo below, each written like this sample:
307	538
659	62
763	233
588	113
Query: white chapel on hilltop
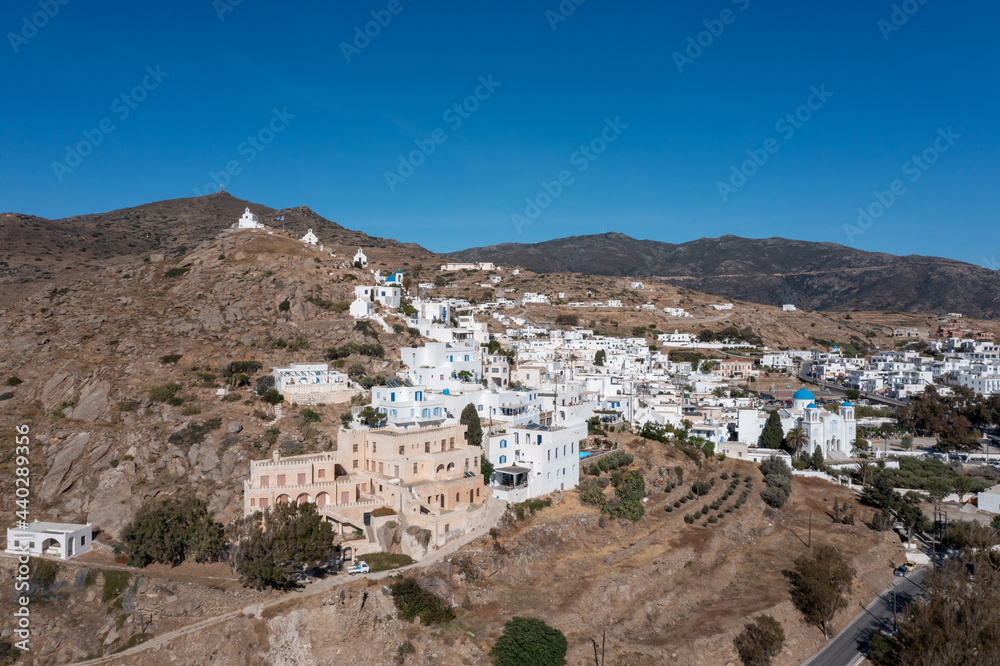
249	221
310	238
361	258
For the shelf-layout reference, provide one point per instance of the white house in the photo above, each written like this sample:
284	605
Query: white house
788	307
636	285
406	405
723	306
249	221
64	540
390	297
310	238
312	383
362	308
361	259
534	460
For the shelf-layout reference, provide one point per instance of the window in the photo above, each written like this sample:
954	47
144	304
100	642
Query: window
263	502
414	468
355	448
503	460
564	449
572	447
539	439
550	454
477	492
253	501
451	443
355	465
548	477
402	450
321	473
265	481
427	447
503	443
83	541
302	479
281	480
475	461
466	357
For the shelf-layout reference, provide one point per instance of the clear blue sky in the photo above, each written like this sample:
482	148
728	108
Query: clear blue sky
658	179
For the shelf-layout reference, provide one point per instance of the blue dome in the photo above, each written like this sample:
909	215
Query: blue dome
804	394
812	405
846	404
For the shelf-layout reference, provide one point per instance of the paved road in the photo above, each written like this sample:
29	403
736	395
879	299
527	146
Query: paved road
846	648
874	397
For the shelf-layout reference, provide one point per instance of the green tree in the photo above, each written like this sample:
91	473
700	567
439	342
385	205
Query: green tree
853	394
817	458
963	485
796	438
630	488
486	469
599	357
370	416
906	442
170	531
527	641
819	586
760	641
268	547
772	435
473	427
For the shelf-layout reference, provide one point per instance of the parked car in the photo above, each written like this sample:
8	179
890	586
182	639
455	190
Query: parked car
359	568
905	568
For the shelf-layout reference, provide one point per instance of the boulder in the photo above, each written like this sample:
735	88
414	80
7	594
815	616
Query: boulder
235	427
62	472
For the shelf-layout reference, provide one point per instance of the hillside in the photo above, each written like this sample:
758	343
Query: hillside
35	250
818	276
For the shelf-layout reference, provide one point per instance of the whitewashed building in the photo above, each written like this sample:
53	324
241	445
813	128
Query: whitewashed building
361	259
249	221
310	238
534	460
62	540
312	384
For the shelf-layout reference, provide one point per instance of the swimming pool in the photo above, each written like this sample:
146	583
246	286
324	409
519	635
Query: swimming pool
584	454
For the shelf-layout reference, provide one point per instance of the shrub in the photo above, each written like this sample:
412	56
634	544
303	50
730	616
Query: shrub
713	519
413	601
529	641
125	406
176	272
14	381
386	561
272	397
309	416
170	359
701	488
670	509
115	583
43	574
677	504
591	493
284	306
689	519
724	476
164	393
630	488
382	511
774	496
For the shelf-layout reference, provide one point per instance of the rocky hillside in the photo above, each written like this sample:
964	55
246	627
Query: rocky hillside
80	362
820	276
36	250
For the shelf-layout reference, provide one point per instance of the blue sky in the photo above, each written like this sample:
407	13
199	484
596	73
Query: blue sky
663	133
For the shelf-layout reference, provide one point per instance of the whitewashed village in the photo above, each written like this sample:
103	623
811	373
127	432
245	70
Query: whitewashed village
496	413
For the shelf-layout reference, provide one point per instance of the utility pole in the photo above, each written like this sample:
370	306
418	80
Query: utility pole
604	640
810	528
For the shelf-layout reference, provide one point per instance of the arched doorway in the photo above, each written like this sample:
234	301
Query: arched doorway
303	498
282	499
322	499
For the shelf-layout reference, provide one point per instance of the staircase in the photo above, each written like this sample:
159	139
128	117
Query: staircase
278	414
378	318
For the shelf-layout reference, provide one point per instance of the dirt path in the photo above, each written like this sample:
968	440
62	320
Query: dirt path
494	510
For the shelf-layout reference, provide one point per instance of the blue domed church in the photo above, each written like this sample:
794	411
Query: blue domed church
833	433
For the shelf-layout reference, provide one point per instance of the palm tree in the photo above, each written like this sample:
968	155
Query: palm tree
796	438
864	467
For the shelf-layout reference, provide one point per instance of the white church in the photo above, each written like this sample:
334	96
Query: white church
310	238
249	221
833	433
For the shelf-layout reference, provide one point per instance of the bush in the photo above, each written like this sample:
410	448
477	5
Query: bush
284	306
701	488
43	574
591	493
176	272
382	511
527	641
115	583
413	601
385	561
774	496
170	359
760	641
630	488
14	381
309	416
689	519
165	393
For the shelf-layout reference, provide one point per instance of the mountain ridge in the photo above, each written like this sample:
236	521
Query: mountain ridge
809	274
